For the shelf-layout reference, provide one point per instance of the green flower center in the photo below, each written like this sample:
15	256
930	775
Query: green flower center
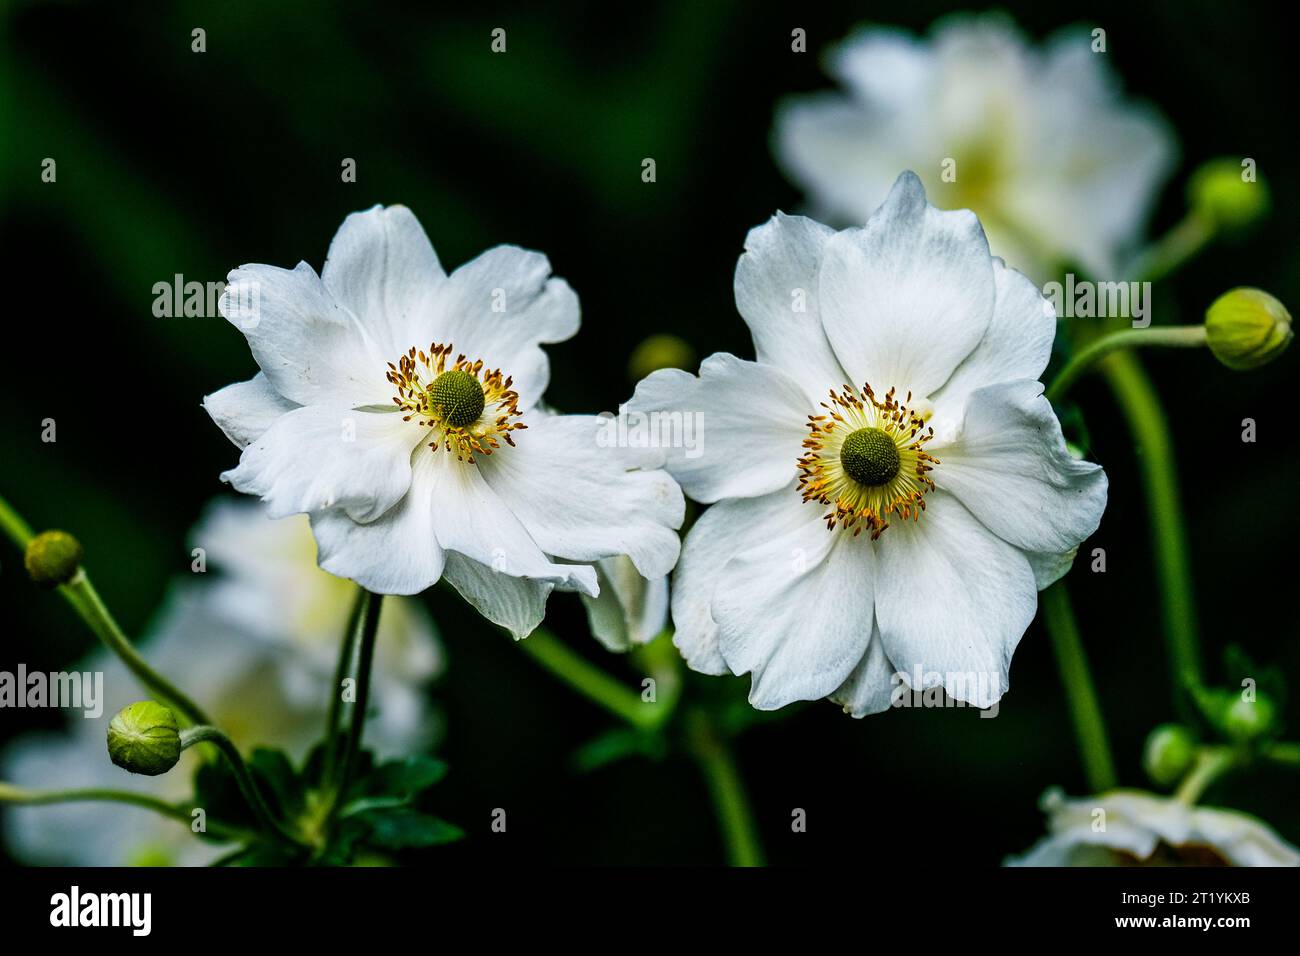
870	457
457	396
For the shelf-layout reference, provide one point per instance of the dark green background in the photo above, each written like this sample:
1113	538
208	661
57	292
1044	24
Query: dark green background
175	162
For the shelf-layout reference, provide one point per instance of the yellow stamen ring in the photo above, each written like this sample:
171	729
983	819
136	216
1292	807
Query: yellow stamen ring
469	409
865	459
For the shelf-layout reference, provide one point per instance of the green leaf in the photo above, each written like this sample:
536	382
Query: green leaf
401	778
402	828
277	779
618	744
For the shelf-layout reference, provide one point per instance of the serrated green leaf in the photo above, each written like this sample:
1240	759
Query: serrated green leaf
402	828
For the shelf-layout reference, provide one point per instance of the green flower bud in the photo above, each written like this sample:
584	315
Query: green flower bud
1249	719
660	351
53	558
1218	192
1246	328
143	738
1169	753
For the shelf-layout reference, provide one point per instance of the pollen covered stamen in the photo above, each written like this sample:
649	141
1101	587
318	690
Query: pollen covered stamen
865	459
469	409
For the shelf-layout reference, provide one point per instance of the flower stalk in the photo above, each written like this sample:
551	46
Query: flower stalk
1177	336
726	788
1080	692
247	785
23	796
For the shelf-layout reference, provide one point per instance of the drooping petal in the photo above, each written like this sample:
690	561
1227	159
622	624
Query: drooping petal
398	552
776	294
311	350
382	267
795	609
501	307
1016	345
1009	465
517	604
329	457
245	410
952	601
870	687
736	431
630	609
583	499
907	298
471	518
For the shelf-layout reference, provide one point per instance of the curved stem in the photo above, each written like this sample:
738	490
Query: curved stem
1085	711
726	788
1283	753
247	785
21	795
85	600
1141	407
1174	248
1211	763
13	525
590	681
1175	336
371	604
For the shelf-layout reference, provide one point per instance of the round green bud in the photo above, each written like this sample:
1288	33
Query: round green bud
1249	719
459	395
1246	328
869	456
660	351
143	738
1219	193
53	558
1169	753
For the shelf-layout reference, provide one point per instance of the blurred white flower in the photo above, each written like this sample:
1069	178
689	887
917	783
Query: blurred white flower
1134	828
391	406
255	642
1038	142
944	451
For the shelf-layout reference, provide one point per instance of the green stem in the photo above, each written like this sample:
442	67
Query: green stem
13	525
1174	336
590	681
1140	405
1285	753
247	785
85	600
371	605
1211	763
347	651
1173	249
726	788
20	795
1081	694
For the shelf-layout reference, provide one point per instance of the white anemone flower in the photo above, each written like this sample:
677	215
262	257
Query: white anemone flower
1135	828
397	405
254	639
891	486
1038	142
630	610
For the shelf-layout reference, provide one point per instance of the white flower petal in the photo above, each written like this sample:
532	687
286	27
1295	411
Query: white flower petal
583	501
517	604
398	552
796	609
1016	345
471	518
869	689
325	457
383	268
501	307
747	423
630	609
776	294
1009	465
311	350
952	600
245	410
907	298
